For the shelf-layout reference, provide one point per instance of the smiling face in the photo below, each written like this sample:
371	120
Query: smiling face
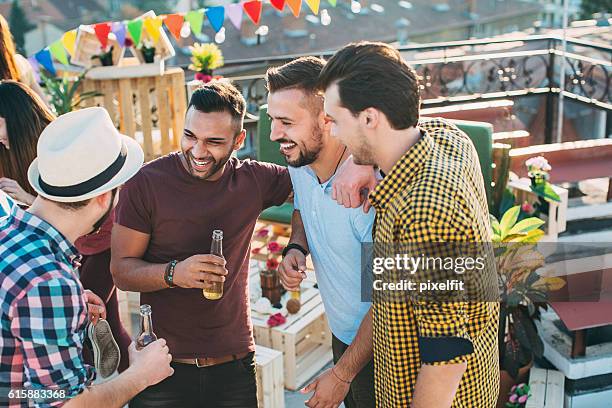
348	128
208	141
4	139
298	125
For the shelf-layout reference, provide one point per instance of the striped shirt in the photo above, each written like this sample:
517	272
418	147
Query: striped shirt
434	193
43	311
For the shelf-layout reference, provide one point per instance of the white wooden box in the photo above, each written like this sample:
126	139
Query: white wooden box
546	387
270	378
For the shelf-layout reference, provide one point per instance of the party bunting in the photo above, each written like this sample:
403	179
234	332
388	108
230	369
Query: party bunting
44	58
102	30
216	16
195	19
295	6
135	30
118	29
69	40
152	26
332	2
234	12
314	5
174	22
253	10
278	4
57	50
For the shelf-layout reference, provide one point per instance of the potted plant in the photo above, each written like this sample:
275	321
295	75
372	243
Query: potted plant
519	394
523	294
538	170
204	59
147	48
63	92
106	56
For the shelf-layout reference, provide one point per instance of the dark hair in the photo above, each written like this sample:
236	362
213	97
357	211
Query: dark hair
373	74
26	116
220	96
8	66
301	73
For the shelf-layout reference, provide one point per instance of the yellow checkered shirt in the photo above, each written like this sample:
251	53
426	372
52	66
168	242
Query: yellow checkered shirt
435	193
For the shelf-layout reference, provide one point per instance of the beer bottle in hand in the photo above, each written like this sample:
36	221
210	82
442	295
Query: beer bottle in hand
216	248
146	335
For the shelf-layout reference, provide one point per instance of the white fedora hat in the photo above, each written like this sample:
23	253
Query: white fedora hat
82	155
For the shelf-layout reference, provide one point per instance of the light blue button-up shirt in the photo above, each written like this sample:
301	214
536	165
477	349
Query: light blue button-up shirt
334	236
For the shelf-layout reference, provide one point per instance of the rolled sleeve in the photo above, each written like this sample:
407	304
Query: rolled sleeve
49	322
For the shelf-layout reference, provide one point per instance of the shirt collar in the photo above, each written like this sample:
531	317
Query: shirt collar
60	246
402	172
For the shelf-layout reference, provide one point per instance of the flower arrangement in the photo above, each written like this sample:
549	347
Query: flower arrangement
204	59
105	56
148	50
538	170
270	283
519	394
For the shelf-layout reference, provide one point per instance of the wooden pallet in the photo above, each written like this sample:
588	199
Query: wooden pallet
270	380
546	387
305	339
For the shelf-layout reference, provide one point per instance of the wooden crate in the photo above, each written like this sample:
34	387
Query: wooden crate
546	387
270	380
129	102
304	339
87	45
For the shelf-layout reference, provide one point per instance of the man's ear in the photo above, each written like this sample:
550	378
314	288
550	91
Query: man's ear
369	118
103	200
239	139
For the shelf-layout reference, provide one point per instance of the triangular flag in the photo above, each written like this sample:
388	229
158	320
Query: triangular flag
295	6
314	5
135	29
253	10
332	2
58	51
118	29
174	22
44	58
102	30
216	16
195	19
234	12
152	25
69	40
278	4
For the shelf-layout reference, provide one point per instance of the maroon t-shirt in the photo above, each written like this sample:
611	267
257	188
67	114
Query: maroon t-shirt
180	212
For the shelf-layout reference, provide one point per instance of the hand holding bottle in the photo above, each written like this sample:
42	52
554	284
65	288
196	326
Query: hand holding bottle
198	271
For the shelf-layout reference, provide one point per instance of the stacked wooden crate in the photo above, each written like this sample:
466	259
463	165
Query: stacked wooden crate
270	378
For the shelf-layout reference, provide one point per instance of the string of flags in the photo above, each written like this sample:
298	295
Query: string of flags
178	24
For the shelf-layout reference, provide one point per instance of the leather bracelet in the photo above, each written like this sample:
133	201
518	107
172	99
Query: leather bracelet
169	274
293	245
336	375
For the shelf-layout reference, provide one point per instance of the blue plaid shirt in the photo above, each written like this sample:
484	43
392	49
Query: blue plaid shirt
43	311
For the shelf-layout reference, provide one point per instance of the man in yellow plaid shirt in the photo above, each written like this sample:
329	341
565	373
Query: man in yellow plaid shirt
426	354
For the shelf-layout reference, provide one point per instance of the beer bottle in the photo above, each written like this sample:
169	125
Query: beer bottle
146	335
216	248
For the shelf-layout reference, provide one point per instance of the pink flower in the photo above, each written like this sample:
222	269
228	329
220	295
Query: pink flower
275	247
538	163
199	76
523	398
263	233
272	264
513	398
513	389
526	207
255	251
276	320
128	42
521	385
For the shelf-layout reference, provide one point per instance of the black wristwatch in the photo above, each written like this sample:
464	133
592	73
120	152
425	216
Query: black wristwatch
169	274
293	245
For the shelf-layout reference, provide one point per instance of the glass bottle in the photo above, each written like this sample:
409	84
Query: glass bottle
146	335
216	248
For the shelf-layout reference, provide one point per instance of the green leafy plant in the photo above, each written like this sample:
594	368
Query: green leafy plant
64	93
523	291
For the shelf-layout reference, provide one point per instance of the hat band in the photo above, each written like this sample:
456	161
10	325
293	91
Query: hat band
88	185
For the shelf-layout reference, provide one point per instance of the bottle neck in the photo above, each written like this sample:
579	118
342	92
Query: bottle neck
146	323
216	248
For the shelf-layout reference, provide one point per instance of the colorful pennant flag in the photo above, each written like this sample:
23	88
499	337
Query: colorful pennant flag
118	28
44	58
253	10
57	50
69	40
135	30
152	26
102	30
234	12
174	22
216	16
278	4
195	19
295	6
314	5
332	2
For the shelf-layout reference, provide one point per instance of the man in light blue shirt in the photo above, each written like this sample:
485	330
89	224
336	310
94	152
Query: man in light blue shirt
333	234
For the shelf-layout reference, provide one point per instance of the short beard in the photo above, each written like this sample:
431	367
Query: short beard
363	155
217	165
306	156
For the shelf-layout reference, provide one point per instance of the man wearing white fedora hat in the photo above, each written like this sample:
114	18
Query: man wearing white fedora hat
82	161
